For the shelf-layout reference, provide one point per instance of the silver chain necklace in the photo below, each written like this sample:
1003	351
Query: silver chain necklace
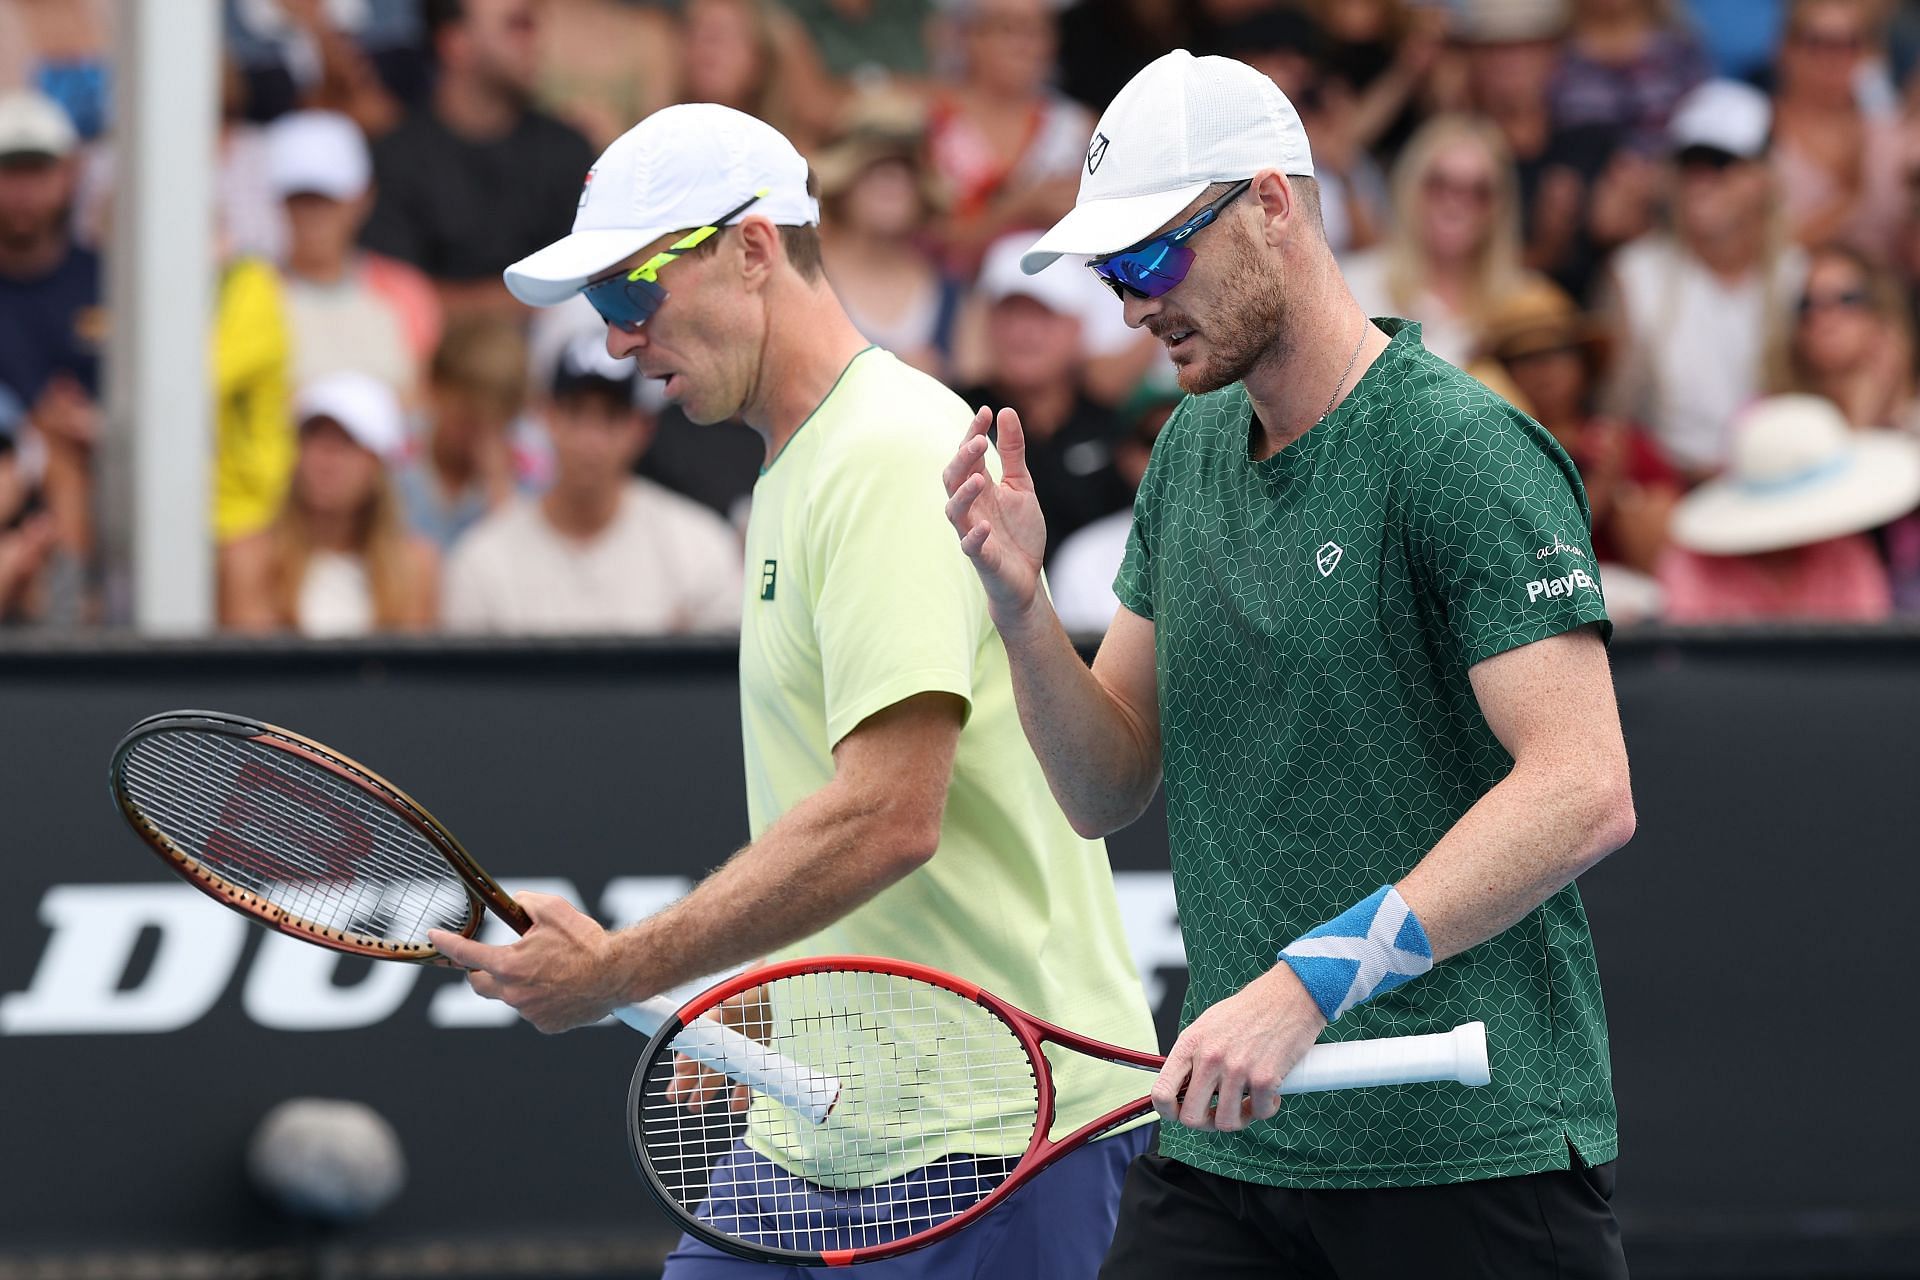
1351	361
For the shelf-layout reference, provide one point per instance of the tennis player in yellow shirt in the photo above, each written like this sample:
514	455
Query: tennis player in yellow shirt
895	806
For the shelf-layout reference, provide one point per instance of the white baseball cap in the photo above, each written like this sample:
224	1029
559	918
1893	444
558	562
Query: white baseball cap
1727	115
1071	293
364	406
1181	125
318	153
31	123
681	167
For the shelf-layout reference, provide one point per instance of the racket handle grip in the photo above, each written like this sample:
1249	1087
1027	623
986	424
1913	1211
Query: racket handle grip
740	1058
1459	1054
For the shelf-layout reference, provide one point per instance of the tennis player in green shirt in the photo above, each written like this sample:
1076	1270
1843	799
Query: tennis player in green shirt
1362	639
895	807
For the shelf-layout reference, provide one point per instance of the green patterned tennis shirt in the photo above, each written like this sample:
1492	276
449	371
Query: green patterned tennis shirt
1315	614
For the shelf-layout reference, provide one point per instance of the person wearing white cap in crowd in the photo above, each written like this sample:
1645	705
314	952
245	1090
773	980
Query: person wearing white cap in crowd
52	326
1783	534
1695	309
346	308
894	807
1361	637
337	559
602	550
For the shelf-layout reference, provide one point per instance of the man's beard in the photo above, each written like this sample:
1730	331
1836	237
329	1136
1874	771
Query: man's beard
1250	324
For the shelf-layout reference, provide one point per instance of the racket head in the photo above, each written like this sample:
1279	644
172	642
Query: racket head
301	838
945	1103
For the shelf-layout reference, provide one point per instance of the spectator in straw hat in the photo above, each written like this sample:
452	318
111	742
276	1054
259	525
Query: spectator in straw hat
1555	357
1782	535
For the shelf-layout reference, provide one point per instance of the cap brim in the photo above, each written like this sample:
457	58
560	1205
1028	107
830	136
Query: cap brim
1108	226
1881	485
555	273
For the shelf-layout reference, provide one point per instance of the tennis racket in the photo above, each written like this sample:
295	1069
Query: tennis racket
945	1109
308	842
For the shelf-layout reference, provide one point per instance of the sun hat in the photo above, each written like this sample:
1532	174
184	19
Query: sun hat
1799	475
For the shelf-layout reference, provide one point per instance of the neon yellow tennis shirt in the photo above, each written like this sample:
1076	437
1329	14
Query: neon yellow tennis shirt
857	597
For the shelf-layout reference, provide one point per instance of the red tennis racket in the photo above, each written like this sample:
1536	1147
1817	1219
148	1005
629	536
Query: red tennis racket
945	1109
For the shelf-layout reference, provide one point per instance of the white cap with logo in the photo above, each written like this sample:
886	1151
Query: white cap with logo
680	168
364	406
318	153
1180	125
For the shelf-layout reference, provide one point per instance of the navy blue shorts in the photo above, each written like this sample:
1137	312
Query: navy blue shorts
1057	1226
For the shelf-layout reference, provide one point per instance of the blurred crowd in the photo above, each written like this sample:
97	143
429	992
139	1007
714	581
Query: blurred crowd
1684	235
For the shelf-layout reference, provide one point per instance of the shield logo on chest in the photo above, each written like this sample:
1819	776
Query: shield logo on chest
1327	558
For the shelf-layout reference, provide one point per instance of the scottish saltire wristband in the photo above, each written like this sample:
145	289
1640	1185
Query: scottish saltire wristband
1373	946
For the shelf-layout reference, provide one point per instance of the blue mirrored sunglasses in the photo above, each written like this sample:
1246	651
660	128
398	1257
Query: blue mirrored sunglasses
629	300
1152	267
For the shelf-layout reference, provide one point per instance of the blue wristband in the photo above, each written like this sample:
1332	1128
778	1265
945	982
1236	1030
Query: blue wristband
1373	946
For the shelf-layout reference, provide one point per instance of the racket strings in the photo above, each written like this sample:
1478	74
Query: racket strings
314	845
938	1102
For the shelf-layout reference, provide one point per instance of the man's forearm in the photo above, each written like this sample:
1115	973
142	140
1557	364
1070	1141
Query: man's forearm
1101	763
824	857
1527	838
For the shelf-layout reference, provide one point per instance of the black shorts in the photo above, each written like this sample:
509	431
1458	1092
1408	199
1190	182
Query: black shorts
1177	1221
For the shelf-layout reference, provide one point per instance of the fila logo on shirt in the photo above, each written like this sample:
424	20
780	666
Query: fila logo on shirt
1550	588
1327	558
769	571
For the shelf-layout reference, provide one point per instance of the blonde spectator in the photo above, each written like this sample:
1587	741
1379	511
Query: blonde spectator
1852	341
1008	147
1842	170
1696	310
1783	534
337	560
876	199
1453	251
346	309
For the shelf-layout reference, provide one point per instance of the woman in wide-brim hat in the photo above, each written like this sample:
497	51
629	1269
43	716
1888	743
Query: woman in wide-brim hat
1782	534
1554	357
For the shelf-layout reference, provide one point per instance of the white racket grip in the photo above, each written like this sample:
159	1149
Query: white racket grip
1459	1054
740	1058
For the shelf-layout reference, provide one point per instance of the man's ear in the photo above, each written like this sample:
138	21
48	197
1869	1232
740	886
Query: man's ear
760	250
1278	205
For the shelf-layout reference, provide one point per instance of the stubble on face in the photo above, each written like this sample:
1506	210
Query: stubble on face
1248	317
